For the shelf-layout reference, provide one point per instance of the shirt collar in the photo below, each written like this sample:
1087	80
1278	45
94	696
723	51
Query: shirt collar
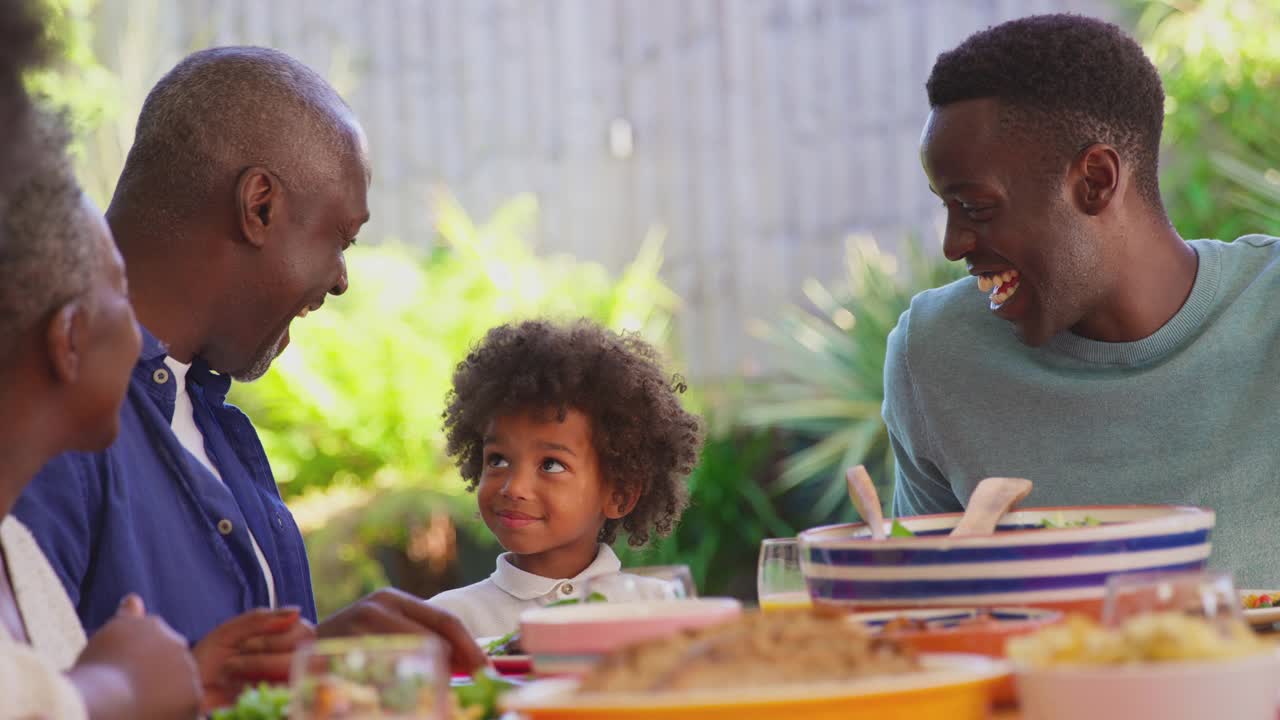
152	348
527	586
154	351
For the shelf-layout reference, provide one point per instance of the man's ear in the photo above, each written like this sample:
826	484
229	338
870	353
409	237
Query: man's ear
65	338
258	201
620	504
1096	178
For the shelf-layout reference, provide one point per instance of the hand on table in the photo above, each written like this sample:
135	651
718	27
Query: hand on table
391	611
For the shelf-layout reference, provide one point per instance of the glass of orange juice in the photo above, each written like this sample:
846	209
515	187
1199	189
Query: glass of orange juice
779	582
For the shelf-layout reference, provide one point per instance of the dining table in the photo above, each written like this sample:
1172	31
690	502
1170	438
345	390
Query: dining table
1269	633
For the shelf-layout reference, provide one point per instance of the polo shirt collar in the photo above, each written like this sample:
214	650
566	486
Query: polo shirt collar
527	586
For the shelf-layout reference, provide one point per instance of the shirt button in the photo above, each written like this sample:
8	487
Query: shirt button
161	376
279	522
566	589
225	527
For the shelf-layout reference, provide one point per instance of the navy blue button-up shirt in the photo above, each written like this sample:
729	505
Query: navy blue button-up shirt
145	516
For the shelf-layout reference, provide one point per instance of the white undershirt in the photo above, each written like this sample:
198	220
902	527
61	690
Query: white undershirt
184	426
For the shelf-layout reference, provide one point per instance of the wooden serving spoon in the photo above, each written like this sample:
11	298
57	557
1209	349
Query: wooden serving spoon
990	501
862	491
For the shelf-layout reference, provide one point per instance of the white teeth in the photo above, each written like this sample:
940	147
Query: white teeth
1001	298
994	283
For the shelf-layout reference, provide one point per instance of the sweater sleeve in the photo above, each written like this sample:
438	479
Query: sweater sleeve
32	688
919	487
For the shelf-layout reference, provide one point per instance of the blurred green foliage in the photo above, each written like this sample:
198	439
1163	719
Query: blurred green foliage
76	83
355	403
731	509
1221	72
358	396
831	382
100	100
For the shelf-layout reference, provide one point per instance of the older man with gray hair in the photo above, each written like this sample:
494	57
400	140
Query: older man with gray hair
246	182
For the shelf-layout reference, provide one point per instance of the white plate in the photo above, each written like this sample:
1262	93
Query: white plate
1261	617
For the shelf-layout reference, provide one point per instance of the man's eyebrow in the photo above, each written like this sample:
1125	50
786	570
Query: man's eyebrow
961	186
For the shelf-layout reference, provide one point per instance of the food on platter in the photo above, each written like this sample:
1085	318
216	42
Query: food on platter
1260	601
1149	638
756	650
906	623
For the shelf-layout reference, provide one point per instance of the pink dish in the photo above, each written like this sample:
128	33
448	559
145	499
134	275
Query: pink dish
569	639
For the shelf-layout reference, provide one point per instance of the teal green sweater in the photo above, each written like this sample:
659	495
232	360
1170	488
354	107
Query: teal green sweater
1189	415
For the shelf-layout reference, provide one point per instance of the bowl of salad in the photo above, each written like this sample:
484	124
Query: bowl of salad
1056	558
1261	607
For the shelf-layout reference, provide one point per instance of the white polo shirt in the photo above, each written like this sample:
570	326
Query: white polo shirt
492	607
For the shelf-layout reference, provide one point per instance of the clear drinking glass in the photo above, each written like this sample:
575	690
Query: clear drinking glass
779	581
384	676
652	582
1207	594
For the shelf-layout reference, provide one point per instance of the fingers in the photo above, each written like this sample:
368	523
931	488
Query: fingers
259	667
300	633
132	606
391	611
255	623
381	617
464	654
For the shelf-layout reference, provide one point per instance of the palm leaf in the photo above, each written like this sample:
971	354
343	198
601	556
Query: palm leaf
829	388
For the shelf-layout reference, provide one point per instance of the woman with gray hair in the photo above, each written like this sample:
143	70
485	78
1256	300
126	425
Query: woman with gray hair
68	338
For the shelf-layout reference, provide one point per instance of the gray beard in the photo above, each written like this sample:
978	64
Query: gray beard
262	363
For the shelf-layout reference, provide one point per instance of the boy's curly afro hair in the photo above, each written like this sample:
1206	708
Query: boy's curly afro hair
647	444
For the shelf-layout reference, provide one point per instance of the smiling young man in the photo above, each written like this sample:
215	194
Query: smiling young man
1095	351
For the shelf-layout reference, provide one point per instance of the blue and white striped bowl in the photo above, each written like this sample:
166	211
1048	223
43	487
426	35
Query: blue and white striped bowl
1022	564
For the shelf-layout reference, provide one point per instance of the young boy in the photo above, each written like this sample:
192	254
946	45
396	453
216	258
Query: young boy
567	434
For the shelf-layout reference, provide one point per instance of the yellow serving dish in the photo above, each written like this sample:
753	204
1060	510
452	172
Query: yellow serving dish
951	687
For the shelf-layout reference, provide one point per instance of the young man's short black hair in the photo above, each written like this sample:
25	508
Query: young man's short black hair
1067	80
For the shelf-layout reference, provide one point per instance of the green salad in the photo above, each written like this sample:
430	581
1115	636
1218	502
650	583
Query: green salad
1056	523
478	701
1060	523
263	702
